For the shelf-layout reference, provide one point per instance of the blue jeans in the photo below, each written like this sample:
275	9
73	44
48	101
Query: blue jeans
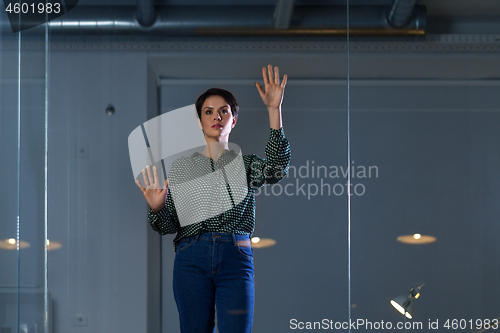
214	269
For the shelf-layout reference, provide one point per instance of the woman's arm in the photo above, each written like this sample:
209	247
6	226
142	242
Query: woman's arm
165	221
154	194
162	216
272	94
275	166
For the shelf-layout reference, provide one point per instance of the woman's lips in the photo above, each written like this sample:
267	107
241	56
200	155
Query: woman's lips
217	126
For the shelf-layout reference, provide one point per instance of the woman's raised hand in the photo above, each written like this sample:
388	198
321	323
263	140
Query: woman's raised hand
272	94
155	195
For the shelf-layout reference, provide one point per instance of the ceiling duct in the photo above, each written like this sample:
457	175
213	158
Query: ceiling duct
283	13
146	14
400	13
196	21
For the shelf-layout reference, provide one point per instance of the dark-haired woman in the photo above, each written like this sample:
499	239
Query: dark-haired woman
213	268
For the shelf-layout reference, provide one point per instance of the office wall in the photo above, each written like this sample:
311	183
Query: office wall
95	209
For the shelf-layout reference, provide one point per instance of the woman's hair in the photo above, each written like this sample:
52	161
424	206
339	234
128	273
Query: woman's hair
228	97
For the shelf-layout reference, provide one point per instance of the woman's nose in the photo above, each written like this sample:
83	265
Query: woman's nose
217	115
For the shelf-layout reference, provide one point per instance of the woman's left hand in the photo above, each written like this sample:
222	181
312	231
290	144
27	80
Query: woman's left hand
272	94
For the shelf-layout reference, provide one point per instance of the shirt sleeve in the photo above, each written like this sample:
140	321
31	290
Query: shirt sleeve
275	166
166	220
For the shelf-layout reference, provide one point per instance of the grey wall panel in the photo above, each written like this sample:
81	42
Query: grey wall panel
96	211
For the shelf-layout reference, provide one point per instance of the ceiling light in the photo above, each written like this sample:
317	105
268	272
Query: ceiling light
406	304
53	245
399	303
11	244
416	239
258	243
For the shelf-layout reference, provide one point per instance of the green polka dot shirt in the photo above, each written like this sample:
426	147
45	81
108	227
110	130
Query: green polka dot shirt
240	218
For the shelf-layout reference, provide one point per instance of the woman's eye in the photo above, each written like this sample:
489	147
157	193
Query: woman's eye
208	112
224	111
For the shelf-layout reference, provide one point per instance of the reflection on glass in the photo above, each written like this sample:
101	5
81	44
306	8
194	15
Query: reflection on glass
53	245
23	60
11	244
259	243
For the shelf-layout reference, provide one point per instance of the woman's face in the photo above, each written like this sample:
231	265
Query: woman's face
216	119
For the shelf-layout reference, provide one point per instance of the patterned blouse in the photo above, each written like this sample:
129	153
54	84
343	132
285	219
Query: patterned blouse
234	214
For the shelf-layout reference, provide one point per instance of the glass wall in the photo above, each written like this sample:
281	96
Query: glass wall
424	142
391	190
25	304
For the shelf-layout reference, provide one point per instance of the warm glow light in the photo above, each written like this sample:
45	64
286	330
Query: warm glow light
416	239
255	240
12	244
259	243
53	245
400	309
417	295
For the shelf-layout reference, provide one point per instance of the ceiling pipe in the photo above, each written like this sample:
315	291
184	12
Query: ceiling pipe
401	12
146	14
283	13
196	21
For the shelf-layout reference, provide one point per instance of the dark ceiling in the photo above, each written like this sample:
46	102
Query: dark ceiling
436	7
284	18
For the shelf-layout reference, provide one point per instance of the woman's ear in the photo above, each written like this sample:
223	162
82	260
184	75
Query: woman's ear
235	119
199	124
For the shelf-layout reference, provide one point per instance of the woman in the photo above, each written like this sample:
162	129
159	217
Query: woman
213	266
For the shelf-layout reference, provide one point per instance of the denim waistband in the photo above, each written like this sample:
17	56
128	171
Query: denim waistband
220	236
